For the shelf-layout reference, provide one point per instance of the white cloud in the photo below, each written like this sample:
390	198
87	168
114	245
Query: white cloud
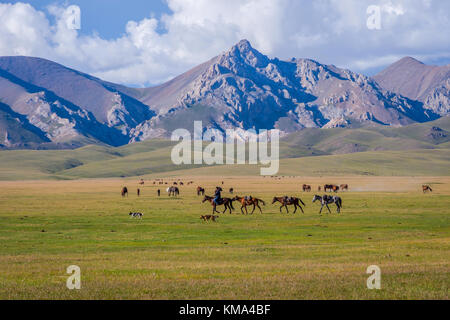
331	31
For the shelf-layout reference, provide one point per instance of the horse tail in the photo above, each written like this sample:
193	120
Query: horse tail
302	202
262	201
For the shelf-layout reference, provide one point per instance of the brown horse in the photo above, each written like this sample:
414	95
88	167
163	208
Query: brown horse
344	187
331	188
248	201
142	182
200	191
426	188
289	201
306	188
227	202
124	191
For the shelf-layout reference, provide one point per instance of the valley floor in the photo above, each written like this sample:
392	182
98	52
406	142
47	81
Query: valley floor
46	226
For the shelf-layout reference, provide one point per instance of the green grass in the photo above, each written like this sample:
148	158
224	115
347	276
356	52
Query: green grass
172	254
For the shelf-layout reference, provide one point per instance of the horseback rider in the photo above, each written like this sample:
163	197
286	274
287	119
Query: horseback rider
217	195
248	198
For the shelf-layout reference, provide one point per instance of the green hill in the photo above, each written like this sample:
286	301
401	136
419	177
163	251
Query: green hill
420	149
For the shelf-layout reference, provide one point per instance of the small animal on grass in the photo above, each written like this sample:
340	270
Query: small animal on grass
344	187
159	192
289	201
124	192
142	182
136	215
426	188
200	191
319	189
209	218
326	200
138	192
306	188
248	201
231	190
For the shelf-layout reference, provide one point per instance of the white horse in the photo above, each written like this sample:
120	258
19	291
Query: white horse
326	200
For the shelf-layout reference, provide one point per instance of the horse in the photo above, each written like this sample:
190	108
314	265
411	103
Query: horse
200	191
231	190
124	191
426	188
344	187
326	200
248	201
319	188
306	188
142	182
331	188
289	201
227	202
173	191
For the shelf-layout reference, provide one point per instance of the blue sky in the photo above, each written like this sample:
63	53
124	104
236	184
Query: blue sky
147	42
107	17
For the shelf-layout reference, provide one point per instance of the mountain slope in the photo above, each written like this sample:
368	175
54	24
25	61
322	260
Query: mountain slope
48	105
52	118
246	89
105	101
417	81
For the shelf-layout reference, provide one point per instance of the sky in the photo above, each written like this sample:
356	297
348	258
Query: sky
147	42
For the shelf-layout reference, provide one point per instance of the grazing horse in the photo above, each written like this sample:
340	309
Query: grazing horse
326	200
327	187
124	191
173	191
289	201
344	187
231	190
227	202
142	182
306	188
200	191
426	188
248	201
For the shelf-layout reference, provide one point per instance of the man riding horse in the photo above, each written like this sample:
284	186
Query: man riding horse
217	196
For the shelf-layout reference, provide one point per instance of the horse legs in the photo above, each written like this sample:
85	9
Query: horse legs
281	207
243	210
328	208
254	207
301	208
295	206
338	208
287	210
259	208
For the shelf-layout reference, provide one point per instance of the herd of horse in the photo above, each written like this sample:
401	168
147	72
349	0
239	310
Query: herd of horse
249	201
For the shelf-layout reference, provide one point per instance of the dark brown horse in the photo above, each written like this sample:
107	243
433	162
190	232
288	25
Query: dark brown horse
227	202
231	190
289	201
124	191
200	191
344	187
248	201
330	188
426	188
306	188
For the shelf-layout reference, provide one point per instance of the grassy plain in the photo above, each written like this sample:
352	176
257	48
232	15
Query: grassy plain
45	226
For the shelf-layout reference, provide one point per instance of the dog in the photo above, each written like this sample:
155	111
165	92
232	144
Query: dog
209	218
136	215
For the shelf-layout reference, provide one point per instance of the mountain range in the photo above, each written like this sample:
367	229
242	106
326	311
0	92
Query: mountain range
44	105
